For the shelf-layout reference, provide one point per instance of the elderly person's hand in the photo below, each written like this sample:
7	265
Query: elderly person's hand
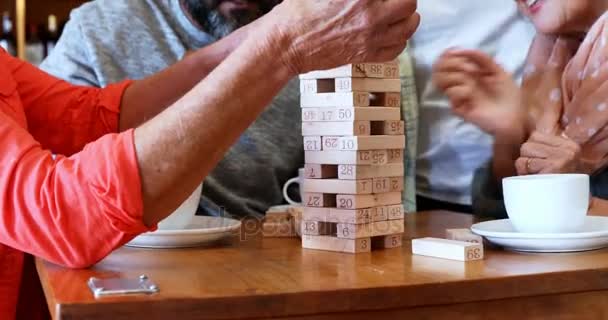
323	34
546	153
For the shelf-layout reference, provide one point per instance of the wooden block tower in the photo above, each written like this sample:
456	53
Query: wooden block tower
353	139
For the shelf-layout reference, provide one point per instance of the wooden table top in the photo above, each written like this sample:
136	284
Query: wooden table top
262	278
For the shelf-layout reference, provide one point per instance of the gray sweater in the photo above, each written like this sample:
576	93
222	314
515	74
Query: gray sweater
107	41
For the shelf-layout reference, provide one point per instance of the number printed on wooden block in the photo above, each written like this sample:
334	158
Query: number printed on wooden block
380	228
318	228
355	128
341	99
463	235
446	249
381	214
317	86
320	171
353	172
386	99
359	216
359	70
367	85
387	242
363	143
381	185
351	201
391	128
396	184
350	114
319	200
395	156
336	244
335	186
395	212
363	157
312	143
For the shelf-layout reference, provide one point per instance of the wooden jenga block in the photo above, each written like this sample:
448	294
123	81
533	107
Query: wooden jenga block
394	156
317	86
328	243
320	171
380	228
386	99
362	143
463	235
319	200
335	186
381	185
380	214
391	128
350	201
358	216
318	228
396	184
367	85
394	212
447	249
354	128
359	70
313	143
363	157
335	99
353	172
350	114
387	242
278	229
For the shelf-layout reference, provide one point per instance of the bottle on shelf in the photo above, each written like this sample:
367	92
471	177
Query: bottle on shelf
7	37
34	47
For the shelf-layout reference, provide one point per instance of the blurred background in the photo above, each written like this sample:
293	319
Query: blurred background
30	28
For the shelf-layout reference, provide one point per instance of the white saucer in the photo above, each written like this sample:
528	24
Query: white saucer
201	231
500	232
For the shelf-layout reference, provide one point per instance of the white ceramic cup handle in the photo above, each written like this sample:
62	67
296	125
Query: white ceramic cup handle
286	195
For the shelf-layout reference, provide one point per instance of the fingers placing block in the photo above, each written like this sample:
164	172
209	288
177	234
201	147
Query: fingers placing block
350	201
354	172
358	216
362	143
395	156
336	244
391	128
447	249
363	157
318	228
333	100
387	242
317	86
367	85
336	186
380	228
385	99
320	171
463	235
319	200
313	143
350	114
359	70
354	128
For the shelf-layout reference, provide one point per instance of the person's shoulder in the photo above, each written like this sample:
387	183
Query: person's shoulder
115	14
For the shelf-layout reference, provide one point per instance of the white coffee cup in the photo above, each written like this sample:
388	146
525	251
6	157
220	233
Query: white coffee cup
291	181
181	217
553	203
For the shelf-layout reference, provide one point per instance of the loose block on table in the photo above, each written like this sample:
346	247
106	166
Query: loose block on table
335	99
362	143
347	128
350	114
463	235
380	228
447	249
353	172
367	85
329	243
363	186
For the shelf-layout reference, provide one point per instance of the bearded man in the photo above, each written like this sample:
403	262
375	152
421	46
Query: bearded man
106	41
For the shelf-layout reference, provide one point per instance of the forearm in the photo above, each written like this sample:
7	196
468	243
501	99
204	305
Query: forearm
179	147
148	97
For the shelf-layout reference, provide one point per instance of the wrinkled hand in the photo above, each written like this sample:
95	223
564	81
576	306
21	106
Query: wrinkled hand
323	34
547	153
480	91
